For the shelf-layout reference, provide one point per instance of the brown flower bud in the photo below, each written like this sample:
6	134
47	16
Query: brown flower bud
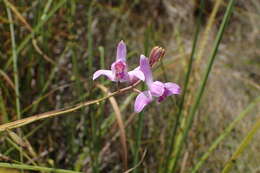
156	54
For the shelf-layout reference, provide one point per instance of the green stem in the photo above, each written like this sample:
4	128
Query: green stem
187	77
204	81
15	66
18	148
246	141
35	168
139	131
36	29
90	38
16	76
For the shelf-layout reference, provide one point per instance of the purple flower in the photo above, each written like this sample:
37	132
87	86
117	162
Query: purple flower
118	72
156	89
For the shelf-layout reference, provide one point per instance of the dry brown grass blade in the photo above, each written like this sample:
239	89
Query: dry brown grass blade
37	117
5	159
120	124
8	80
138	164
20	17
25	121
22	142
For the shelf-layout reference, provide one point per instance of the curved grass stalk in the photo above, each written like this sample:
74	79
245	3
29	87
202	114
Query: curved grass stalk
246	141
224	134
120	123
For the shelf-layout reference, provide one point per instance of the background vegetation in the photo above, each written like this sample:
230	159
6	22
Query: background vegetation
50	49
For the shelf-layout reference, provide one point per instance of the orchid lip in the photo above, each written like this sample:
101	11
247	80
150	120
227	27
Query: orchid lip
119	69
156	89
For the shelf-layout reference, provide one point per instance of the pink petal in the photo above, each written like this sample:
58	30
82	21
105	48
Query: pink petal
107	73
157	88
173	88
136	74
121	51
119	70
143	99
146	69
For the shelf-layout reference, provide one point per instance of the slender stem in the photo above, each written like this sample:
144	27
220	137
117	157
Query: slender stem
46	9
37	117
187	77
102	57
121	126
15	67
139	129
18	148
16	75
246	141
35	168
90	38
204	81
138	140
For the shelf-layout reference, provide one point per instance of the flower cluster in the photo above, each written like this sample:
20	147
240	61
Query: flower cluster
119	73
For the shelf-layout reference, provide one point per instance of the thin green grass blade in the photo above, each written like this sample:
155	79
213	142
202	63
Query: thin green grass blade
225	133
46	9
102	56
17	147
138	140
35	168
204	82
244	144
90	38
24	43
16	75
186	82
102	59
139	129
15	66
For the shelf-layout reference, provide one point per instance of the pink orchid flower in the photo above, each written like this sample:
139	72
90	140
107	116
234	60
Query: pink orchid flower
118	72
156	89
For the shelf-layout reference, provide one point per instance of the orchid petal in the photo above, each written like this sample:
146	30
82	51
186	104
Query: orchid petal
173	88
119	70
146	69
107	73
121	51
143	99
136	74
157	88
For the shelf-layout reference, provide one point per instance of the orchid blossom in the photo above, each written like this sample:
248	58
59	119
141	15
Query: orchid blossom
156	89
118	72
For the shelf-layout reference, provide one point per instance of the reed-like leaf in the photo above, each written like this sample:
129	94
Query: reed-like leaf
203	83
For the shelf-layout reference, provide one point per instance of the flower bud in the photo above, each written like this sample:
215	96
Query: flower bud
156	54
